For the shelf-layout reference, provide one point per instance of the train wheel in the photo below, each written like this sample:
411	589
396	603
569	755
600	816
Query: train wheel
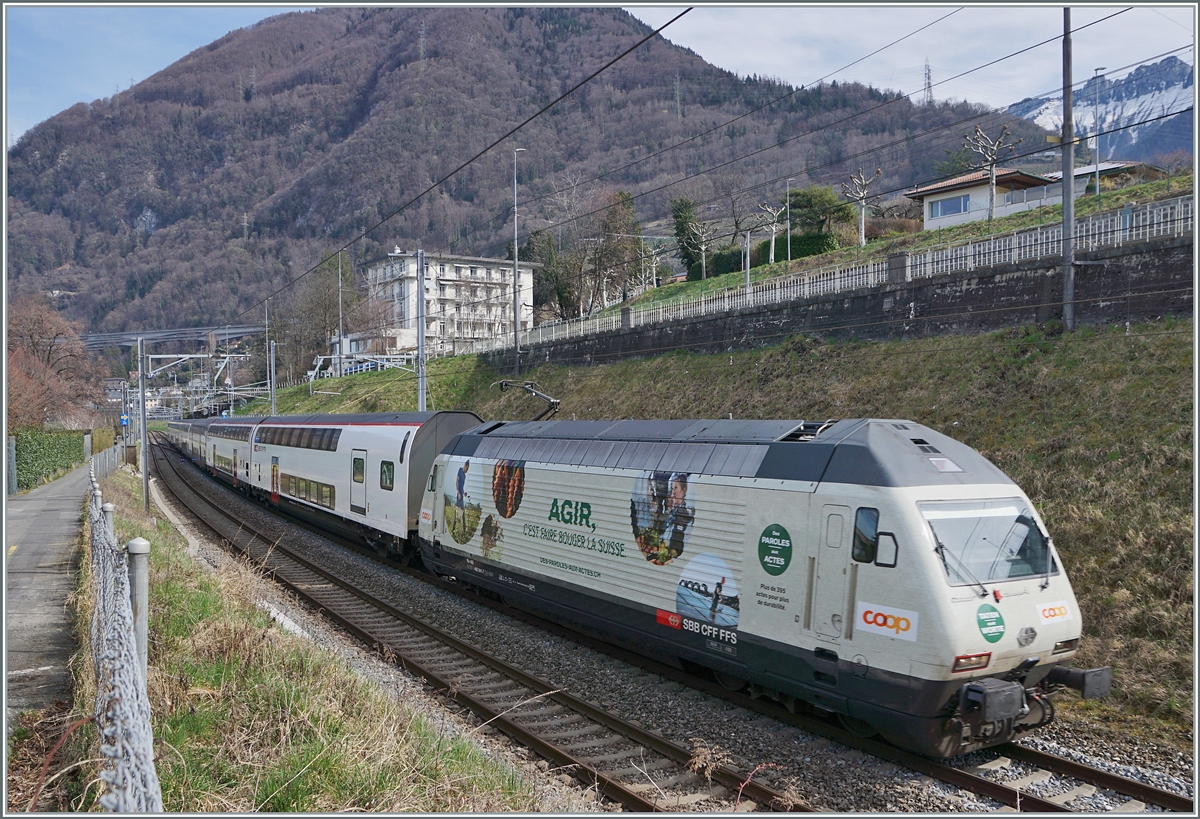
856	726
729	681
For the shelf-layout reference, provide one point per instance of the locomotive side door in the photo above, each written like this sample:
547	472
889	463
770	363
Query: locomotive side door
358	481
829	587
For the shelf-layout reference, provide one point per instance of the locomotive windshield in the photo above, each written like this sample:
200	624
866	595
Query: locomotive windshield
986	541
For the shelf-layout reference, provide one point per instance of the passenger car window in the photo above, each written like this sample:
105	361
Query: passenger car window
360	470
387	475
866	535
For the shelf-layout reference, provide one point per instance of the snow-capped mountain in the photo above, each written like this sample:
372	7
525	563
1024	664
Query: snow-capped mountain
1130	108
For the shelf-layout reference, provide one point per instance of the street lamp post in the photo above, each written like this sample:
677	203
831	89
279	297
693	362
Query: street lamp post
516	278
1096	126
789	218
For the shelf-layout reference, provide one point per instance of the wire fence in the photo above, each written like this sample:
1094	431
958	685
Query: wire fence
106	461
1134	223
122	710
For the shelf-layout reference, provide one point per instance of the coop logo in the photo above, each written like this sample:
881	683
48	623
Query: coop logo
669	618
1058	612
887	621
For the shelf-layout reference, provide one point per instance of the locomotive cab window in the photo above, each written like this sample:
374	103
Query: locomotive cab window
360	470
866	535
987	541
387	475
403	444
886	550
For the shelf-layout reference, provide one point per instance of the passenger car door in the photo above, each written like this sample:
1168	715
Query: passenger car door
358	481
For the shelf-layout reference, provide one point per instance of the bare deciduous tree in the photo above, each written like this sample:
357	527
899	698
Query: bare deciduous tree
990	152
857	190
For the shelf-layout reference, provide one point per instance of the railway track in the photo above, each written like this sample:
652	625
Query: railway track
639	769
621	761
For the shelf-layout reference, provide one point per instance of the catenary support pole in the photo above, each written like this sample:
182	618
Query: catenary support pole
341	332
420	296
142	424
272	373
138	550
1068	182
516	278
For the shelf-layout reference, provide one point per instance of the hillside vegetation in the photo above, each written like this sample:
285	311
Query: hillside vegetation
192	195
1096	426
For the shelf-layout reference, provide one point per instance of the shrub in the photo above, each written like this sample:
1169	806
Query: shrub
41	453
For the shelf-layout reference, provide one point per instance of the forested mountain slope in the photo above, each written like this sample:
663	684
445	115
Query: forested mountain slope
187	198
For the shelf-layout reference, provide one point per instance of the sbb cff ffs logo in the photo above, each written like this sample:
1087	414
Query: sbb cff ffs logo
876	619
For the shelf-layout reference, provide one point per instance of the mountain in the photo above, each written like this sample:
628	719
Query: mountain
1143	96
196	193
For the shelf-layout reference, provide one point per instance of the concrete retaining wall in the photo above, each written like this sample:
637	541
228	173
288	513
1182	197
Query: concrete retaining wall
1115	285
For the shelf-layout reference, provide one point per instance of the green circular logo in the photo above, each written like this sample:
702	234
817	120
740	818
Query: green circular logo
991	624
775	549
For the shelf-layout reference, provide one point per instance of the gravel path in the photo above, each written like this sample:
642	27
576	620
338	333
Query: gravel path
825	774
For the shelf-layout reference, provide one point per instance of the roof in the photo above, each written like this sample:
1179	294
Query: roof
1012	177
1105	168
872	452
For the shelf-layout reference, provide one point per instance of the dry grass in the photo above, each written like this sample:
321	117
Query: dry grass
1095	426
248	718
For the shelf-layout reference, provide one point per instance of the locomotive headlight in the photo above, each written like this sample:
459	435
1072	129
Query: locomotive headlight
971	662
1063	646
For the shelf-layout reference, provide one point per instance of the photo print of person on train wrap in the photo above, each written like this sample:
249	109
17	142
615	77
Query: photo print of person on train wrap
661	512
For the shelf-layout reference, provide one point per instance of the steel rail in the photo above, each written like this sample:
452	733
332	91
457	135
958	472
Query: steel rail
584	772
1101	779
999	792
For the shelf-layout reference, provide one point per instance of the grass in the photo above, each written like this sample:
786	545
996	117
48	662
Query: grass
1095	426
249	718
879	249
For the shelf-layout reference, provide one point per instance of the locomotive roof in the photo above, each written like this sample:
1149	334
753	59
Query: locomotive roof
696	431
874	452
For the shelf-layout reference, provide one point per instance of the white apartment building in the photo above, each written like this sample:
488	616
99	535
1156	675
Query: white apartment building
467	298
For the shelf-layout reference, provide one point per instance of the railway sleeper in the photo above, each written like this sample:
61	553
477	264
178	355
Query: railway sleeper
615	756
551	720
645	766
543	712
587	729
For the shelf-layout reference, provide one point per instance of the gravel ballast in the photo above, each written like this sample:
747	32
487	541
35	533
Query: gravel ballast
826	775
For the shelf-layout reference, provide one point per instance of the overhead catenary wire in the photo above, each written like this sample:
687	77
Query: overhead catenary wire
638	258
470	161
566	94
811	132
635	259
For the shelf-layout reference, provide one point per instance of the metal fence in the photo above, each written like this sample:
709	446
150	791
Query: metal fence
122	710
1136	223
106	461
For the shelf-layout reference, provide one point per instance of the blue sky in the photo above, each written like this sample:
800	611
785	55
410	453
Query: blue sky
57	56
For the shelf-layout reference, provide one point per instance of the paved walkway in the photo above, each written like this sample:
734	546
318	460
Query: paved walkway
41	533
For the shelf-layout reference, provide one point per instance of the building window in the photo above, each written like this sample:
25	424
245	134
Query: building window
458	271
442	290
442	269
951	206
474	272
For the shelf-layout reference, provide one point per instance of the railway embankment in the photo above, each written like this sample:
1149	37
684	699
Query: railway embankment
249	716
1095	425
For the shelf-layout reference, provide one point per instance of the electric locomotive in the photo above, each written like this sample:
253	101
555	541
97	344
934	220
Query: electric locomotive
876	569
